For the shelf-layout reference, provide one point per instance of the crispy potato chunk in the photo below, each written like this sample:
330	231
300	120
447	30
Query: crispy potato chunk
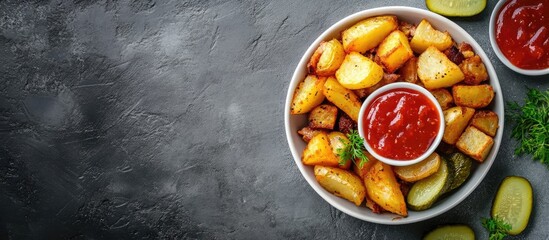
323	116
444	97
308	94
394	51
477	96
456	119
383	188
475	143
358	71
368	33
341	183
486	121
408	72
343	98
387	78
425	35
362	172
327	58
319	152
474	70
466	50
420	170
307	133
435	70
338	141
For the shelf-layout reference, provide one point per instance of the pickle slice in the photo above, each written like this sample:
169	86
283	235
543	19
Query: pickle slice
513	203
461	166
458	232
456	8
426	191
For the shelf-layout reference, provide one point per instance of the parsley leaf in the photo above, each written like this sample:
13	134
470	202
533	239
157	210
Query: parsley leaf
531	127
497	227
353	150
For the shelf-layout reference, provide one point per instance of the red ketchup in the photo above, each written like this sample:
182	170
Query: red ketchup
522	33
401	124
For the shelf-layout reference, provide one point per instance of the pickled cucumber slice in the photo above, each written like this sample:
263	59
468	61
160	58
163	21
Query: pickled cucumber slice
457	232
461	166
426	191
513	203
456	8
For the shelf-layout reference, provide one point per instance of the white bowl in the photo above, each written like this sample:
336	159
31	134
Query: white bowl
375	95
502	58
295	122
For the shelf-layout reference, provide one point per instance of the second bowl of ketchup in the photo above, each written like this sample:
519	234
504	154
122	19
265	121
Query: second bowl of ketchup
519	34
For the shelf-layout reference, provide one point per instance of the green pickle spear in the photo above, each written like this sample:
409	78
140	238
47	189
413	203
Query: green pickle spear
458	232
513	203
456	8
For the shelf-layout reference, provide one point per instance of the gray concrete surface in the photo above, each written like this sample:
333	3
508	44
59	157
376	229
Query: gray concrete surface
164	120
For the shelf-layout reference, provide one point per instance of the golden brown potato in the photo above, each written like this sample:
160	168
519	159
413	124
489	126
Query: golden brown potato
383	188
308	94
466	50
327	58
342	97
444	97
408	72
486	121
475	143
358	71
477	96
387	78
361	172
394	51
420	170
474	70
341	183
456	119
319	152
425	35
323	116
337	142
368	33
435	70
307	133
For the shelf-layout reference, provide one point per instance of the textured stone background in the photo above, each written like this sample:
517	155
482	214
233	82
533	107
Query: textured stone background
164	119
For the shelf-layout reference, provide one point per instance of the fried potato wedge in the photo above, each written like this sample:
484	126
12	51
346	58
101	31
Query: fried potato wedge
323	116
456	120
475	143
358	71
486	121
338	141
307	133
435	70
319	152
327	58
394	51
342	97
341	183
477	96
308	94
420	170
425	35
474	70
368	33
383	188
444	97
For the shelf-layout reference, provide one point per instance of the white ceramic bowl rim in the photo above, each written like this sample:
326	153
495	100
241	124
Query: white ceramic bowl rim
295	122
374	95
501	56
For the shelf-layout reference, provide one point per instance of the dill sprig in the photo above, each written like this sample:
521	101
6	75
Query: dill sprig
497	227
353	150
531	127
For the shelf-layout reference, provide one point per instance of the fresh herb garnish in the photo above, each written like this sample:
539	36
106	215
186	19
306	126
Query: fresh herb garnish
353	150
532	125
497	227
